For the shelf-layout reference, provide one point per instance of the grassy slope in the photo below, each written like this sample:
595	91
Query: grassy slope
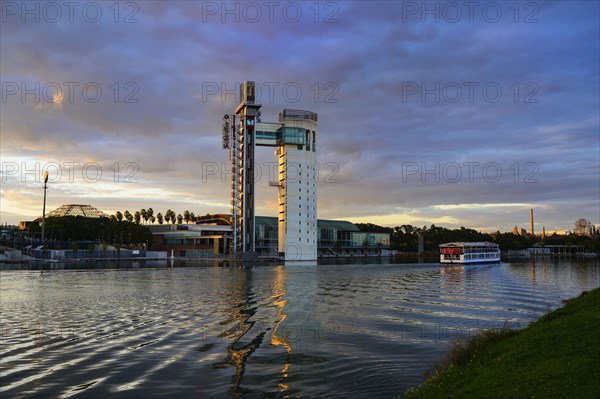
558	356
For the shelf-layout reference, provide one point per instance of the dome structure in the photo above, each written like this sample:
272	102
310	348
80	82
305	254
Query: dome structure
86	211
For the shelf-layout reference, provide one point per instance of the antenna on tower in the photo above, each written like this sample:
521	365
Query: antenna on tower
226	132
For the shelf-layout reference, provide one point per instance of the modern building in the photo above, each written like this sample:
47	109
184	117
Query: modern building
213	235
294	137
191	240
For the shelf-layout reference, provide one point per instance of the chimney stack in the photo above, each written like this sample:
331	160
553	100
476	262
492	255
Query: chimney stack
531	222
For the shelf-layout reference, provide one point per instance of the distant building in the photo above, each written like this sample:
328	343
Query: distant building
26	224
522	232
86	211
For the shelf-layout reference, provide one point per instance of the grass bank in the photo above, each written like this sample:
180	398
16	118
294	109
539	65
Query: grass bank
557	356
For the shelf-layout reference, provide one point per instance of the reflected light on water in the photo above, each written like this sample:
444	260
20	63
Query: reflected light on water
277	339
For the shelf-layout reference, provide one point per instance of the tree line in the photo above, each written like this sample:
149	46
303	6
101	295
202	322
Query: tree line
405	238
145	216
79	228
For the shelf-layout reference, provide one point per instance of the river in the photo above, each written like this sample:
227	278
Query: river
196	330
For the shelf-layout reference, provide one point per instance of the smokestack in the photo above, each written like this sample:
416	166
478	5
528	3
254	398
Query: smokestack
543	233
531	222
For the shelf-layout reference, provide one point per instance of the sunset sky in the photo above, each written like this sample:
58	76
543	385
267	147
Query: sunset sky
429	112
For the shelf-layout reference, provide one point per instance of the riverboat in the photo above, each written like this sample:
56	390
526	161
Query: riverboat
469	253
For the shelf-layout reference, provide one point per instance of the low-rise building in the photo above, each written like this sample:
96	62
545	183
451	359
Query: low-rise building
212	236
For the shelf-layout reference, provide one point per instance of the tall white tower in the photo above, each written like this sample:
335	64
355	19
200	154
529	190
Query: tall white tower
294	136
298	169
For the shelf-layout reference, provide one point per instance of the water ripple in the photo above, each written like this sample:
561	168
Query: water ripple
332	331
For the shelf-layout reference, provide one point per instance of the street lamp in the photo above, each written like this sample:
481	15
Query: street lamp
44	208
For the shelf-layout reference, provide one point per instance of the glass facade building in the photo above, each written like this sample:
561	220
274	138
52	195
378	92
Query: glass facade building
330	234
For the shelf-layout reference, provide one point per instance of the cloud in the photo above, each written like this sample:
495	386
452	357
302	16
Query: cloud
384	81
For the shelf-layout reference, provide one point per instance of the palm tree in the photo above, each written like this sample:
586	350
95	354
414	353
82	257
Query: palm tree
128	216
186	216
192	217
159	218
173	217
119	216
179	218
144	214
168	216
152	219
137	217
150	213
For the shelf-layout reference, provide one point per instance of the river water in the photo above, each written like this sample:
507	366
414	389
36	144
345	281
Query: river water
338	331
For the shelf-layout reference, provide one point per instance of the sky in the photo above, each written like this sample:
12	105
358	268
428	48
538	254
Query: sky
446	113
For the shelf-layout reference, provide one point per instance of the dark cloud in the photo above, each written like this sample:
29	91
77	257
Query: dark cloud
359	72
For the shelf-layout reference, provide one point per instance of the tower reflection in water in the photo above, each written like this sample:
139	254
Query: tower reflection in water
279	336
287	327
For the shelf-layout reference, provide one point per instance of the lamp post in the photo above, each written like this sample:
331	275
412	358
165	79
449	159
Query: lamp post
44	208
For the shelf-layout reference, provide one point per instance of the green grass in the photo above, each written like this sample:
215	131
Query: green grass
558	356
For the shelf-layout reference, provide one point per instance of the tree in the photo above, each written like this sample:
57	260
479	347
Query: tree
168	216
144	214
179	218
128	216
152	219
159	218
173	217
192	217
137	217
150	213
119	216
186	216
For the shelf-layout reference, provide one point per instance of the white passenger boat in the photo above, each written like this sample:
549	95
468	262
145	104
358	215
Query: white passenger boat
469	253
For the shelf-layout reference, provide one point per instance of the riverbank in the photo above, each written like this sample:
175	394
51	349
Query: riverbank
557	356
